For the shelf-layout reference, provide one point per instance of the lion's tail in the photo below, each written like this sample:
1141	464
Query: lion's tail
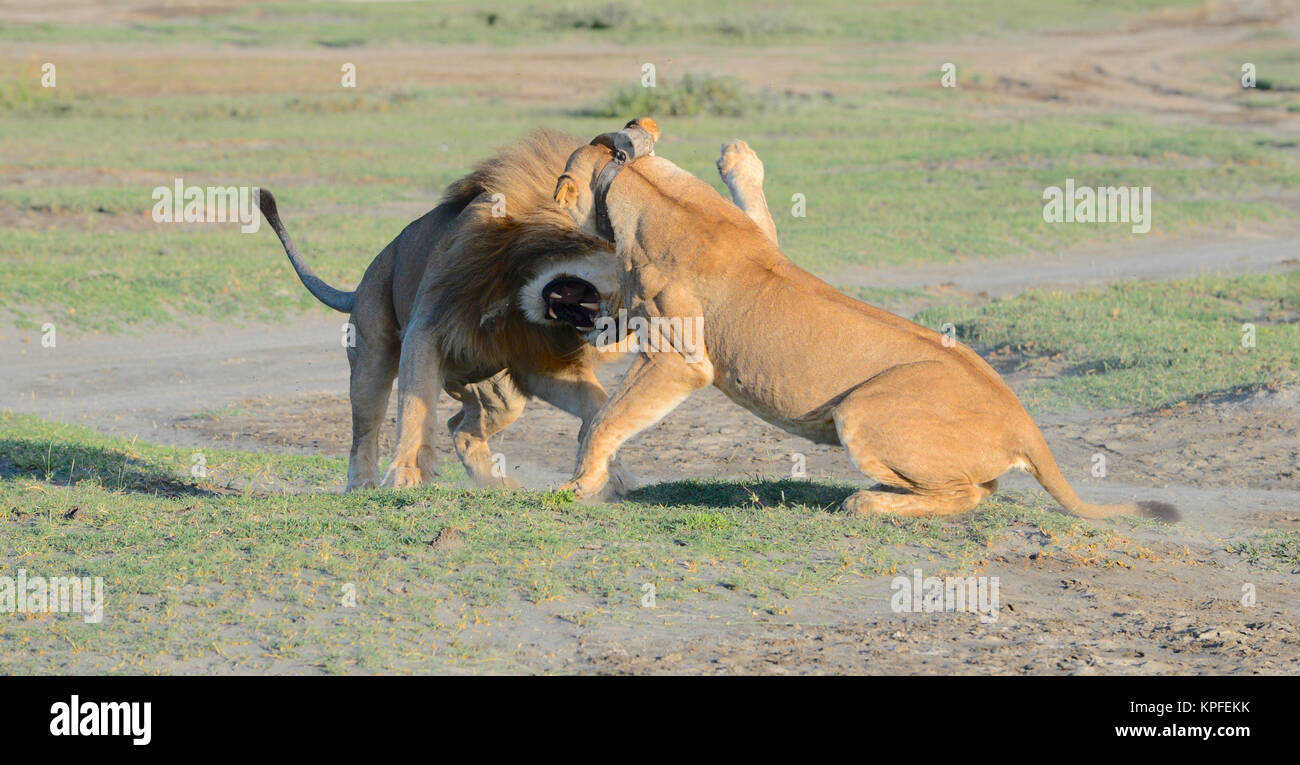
1042	466
334	298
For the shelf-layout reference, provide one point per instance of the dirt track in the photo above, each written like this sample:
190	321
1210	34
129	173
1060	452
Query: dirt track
1151	68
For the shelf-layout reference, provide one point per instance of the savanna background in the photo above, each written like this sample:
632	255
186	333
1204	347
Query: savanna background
182	340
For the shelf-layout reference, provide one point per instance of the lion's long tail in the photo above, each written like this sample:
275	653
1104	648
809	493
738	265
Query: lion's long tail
334	298
1042	466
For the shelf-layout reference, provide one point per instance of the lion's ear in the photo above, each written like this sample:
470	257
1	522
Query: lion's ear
648	125
566	191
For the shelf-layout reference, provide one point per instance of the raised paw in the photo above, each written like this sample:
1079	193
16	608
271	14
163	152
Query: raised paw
739	163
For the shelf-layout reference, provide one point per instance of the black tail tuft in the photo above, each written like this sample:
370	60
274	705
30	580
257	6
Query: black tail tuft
1161	511
266	201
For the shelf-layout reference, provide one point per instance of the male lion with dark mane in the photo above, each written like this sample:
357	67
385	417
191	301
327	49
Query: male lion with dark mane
488	304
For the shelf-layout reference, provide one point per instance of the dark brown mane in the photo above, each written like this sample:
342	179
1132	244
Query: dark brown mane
483	263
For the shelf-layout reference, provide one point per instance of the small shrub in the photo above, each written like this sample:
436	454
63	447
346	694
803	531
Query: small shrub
27	95
606	16
691	95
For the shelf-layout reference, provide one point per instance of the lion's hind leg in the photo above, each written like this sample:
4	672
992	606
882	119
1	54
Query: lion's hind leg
374	365
932	458
898	495
915	504
488	408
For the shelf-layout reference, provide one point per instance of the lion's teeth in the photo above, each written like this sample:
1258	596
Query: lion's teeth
550	313
555	296
591	306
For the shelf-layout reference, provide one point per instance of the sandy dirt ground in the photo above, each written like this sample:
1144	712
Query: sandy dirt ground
1231	464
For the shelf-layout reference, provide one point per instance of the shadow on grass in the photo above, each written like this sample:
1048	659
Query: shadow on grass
766	493
63	463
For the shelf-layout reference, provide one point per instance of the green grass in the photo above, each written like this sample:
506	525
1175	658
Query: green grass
1276	70
198	579
1140	344
1278	549
689	96
892	182
24	95
725	22
68	455
894	169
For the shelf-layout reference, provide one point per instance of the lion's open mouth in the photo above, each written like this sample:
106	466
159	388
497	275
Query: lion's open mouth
573	301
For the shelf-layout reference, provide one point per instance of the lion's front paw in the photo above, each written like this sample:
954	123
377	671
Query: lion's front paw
360	485
621	481
584	487
399	477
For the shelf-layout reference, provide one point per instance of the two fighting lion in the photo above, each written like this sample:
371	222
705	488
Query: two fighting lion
495	308
486	303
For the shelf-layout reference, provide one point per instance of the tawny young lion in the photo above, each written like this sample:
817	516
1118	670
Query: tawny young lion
927	419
